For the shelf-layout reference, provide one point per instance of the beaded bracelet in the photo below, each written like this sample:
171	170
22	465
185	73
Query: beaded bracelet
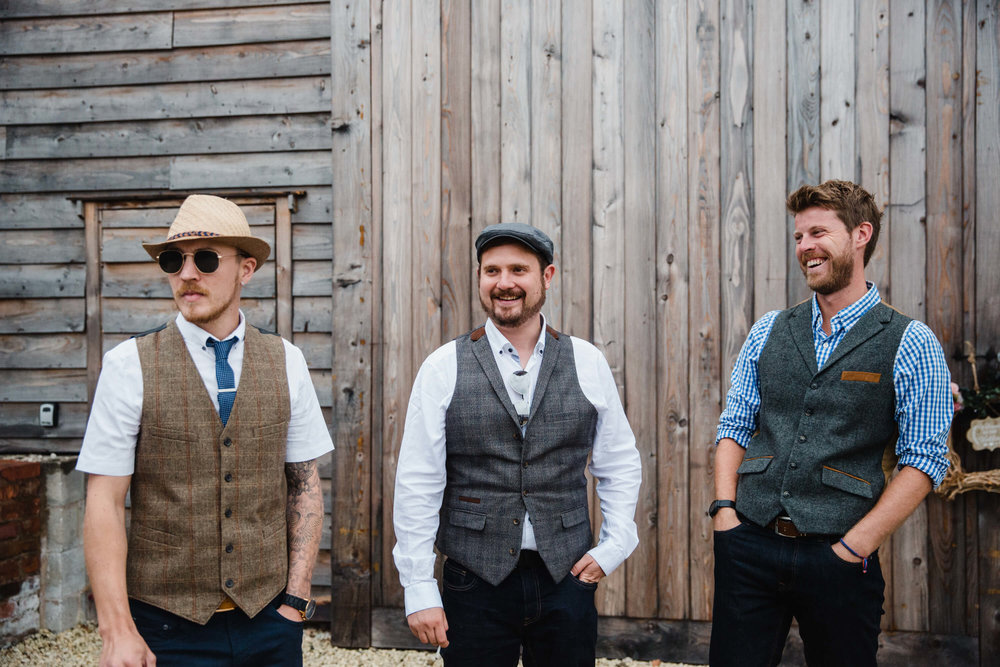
864	559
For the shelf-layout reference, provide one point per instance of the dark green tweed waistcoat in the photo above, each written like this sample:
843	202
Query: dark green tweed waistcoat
817	455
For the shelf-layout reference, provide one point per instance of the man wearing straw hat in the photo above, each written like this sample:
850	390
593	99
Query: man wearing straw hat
499	429
821	394
213	426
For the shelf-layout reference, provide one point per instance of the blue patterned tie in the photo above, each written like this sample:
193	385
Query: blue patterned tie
224	376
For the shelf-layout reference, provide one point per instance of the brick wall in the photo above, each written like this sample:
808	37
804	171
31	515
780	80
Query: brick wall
20	547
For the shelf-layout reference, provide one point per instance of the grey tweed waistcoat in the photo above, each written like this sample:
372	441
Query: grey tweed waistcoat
817	455
208	502
494	473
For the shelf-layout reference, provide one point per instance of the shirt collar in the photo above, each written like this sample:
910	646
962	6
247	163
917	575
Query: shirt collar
849	316
196	335
500	345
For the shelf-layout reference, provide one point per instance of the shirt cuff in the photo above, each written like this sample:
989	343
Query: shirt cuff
740	435
420	596
608	556
933	466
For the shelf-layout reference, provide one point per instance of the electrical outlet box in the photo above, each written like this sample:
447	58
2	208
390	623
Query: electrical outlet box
48	414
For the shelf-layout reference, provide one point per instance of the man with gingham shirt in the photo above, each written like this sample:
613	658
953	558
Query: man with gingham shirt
821	394
498	431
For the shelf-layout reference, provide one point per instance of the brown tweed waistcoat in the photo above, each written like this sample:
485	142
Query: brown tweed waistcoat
208	503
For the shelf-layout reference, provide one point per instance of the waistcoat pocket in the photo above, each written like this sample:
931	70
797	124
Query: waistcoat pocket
574	517
465	519
754	464
139	531
845	481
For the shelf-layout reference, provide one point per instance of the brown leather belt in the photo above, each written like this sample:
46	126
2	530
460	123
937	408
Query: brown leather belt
783	526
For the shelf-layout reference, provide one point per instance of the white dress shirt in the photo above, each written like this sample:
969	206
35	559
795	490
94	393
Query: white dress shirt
113	428
421	473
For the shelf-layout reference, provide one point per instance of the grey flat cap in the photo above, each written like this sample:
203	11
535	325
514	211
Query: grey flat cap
537	240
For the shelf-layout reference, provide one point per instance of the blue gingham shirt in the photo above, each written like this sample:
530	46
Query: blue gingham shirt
920	378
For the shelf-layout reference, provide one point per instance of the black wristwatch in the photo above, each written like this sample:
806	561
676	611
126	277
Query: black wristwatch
305	607
717	505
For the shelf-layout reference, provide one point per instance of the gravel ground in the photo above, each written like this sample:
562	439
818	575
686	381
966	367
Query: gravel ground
81	647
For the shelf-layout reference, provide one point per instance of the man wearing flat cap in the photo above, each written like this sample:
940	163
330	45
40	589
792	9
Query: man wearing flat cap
213	427
499	429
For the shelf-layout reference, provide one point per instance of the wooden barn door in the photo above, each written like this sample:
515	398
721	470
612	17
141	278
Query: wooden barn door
128	294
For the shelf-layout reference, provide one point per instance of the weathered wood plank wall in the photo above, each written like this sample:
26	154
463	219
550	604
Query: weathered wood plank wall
141	103
655	141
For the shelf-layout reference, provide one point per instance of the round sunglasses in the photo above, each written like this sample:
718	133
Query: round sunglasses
206	261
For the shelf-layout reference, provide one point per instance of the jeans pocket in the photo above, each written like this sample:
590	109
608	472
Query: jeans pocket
585	585
458	578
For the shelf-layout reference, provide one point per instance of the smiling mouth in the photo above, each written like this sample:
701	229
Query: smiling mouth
813	262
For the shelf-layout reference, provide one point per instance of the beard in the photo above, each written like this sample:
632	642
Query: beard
841	269
516	318
209	309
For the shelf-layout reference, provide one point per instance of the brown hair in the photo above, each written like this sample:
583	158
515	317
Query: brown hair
851	202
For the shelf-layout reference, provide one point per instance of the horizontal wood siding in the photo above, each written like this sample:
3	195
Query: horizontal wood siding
132	102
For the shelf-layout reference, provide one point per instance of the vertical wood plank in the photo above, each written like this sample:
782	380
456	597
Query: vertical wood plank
577	156
397	252
426	221
838	141
968	250
672	322
987	235
377	116
704	327
515	111
95	348
608	233
640	292
907	266
873	120
546	137
803	118
485	125
351	529
736	180
283	268
946	567
456	167
770	236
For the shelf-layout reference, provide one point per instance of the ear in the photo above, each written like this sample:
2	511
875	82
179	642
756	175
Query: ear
863	234
247	267
548	273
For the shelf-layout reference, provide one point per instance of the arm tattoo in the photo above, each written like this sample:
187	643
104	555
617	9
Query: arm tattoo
304	515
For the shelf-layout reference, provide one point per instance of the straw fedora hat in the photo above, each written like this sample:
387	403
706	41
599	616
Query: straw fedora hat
207	216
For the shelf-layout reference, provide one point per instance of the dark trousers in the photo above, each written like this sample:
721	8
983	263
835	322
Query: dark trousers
763	580
230	638
553	624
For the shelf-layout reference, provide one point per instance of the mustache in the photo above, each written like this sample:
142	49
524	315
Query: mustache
189	288
508	293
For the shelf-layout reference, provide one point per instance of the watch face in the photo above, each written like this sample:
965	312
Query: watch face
310	609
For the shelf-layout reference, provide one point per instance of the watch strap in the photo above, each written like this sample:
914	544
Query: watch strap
717	505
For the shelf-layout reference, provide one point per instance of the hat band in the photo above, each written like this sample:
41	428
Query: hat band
182	235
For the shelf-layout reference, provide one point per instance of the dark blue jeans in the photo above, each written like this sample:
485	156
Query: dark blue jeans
230	638
556	624
763	580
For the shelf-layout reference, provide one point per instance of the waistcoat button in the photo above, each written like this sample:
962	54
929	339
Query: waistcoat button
228	477
814	386
229	548
809	412
517	521
229	512
802	438
512	552
793	465
785	494
230	583
524	493
227	442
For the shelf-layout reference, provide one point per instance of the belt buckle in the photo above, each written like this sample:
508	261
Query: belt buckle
783	524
